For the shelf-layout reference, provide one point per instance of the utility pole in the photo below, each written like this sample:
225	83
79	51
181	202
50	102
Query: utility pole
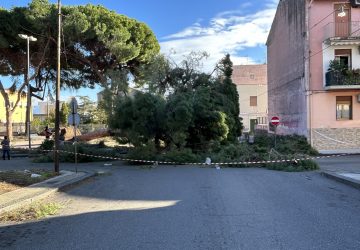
57	101
28	96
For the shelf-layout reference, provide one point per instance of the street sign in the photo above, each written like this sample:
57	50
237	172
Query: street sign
275	121
73	105
74	119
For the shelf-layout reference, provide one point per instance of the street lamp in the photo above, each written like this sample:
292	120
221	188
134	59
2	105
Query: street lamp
28	108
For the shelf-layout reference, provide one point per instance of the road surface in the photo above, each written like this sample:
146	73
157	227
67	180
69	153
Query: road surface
197	208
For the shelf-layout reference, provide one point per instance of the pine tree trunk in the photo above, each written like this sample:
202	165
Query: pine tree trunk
9	128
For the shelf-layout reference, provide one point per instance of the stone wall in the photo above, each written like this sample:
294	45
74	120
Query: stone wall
336	139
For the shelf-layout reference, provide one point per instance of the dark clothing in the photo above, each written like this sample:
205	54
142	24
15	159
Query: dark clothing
62	134
6	148
6	152
5	144
47	133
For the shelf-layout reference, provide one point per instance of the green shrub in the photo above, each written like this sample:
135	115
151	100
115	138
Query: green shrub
235	152
294	144
285	144
68	150
180	155
47	145
147	152
305	165
264	141
288	147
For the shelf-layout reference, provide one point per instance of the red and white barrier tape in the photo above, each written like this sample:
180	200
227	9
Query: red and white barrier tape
198	163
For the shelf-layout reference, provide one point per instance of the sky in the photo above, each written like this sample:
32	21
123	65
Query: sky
237	27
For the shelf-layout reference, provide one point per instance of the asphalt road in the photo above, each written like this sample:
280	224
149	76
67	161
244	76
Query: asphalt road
197	208
350	164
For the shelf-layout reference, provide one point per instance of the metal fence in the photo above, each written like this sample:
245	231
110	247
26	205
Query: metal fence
19	128
343	30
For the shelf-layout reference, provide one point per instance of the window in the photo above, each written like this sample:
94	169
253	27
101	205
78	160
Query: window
343	107
343	56
262	120
252	76
253	101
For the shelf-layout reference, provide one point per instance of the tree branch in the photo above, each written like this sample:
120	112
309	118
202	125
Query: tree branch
4	94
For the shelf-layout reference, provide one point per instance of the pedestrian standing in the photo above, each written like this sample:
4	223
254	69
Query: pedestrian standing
47	132
62	136
6	147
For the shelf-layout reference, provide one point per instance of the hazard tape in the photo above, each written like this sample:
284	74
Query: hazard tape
293	160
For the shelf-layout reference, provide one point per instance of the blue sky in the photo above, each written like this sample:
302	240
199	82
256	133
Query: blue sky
238	27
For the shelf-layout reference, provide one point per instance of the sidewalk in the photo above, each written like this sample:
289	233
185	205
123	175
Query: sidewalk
25	163
346	178
24	196
69	176
344	169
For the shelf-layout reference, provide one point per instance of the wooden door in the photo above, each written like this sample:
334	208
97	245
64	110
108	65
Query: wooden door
342	22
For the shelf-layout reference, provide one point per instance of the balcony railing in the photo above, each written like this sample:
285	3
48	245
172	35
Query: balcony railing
346	79
345	30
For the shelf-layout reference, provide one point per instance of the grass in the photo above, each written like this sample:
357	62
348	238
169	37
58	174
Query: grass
11	180
7	187
34	211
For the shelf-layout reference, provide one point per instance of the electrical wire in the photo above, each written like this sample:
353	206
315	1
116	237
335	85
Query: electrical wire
316	24
299	77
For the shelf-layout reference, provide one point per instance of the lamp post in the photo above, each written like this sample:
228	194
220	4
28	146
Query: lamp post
28	106
57	100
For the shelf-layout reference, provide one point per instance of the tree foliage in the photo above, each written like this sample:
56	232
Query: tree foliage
228	97
182	108
89	112
95	40
64	113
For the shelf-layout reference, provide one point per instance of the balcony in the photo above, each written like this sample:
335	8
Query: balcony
349	79
345	33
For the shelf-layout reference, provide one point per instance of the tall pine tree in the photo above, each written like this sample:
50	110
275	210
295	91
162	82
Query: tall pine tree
228	97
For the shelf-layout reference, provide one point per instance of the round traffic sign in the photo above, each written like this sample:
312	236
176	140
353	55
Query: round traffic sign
74	119
275	121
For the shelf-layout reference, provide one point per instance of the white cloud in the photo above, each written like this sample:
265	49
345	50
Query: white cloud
228	32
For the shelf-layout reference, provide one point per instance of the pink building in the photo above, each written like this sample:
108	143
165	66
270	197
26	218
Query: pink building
314	72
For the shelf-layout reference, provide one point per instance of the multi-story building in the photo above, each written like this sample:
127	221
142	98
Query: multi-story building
314	72
44	109
251	84
19	115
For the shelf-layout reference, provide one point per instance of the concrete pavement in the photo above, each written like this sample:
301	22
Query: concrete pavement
24	196
344	169
197	208
70	174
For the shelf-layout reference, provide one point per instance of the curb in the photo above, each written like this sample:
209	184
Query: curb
44	188
343	179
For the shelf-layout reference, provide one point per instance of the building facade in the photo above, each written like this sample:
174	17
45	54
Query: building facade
314	72
251	84
18	116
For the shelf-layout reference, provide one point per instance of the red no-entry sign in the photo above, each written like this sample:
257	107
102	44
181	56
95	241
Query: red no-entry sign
275	121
